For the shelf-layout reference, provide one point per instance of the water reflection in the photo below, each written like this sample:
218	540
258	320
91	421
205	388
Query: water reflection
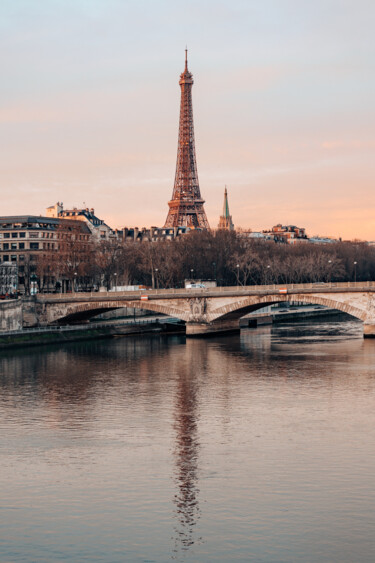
186	457
249	448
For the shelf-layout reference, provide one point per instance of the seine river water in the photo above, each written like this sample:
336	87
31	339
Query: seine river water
259	447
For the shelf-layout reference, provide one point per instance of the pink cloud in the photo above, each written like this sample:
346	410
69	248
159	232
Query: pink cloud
355	144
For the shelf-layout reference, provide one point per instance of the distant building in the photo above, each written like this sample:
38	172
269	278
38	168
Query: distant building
151	234
289	234
225	221
99	229
255	235
322	240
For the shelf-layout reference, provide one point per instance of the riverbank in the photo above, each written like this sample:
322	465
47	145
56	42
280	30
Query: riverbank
57	335
111	329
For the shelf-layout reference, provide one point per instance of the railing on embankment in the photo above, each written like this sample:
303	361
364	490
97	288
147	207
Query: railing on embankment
89	326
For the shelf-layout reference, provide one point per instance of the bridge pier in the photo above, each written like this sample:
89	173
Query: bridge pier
368	330
208	329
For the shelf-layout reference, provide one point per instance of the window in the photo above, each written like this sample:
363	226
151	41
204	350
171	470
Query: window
13	258
14	235
21	245
6	235
33	235
22	235
5	258
5	246
22	257
34	245
13	246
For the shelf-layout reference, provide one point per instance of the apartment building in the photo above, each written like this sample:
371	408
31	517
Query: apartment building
98	228
27	239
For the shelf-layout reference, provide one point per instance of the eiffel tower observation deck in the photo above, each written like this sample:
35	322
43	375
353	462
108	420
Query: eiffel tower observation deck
186	206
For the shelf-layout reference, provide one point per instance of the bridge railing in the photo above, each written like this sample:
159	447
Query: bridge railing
220	289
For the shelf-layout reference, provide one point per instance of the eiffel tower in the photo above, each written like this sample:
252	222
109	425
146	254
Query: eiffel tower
186	206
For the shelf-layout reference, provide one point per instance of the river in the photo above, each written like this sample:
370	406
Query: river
253	447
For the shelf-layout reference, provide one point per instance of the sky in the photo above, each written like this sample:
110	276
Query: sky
283	102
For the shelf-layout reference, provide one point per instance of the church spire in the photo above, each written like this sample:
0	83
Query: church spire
225	221
226	205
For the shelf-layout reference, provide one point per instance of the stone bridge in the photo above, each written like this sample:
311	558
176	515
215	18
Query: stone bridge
205	311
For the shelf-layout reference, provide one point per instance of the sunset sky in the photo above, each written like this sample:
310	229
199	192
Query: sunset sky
283	101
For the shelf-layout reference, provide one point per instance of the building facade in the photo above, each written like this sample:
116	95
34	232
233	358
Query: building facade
98	228
38	247
151	234
289	234
8	279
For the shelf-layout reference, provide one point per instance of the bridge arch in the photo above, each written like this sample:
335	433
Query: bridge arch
86	310
242	307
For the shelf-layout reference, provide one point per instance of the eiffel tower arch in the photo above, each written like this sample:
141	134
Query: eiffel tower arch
186	206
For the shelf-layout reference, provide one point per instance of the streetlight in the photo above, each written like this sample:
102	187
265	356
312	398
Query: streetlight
191	272
75	281
330	271
355	271
156	277
238	274
267	274
115	274
214	265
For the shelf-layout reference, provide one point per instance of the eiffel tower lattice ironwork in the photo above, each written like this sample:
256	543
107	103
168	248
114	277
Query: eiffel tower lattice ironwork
186	206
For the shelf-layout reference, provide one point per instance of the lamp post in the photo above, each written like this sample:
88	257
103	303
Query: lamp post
355	271
214	265
267	274
192	272
75	281
330	271
115	274
156	278
238	274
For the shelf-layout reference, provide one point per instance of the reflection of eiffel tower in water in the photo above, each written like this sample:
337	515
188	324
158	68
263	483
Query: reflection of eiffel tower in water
186	453
186	207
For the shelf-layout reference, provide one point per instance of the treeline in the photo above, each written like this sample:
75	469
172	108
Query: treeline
228	257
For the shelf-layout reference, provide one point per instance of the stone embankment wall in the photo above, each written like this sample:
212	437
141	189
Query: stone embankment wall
10	315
